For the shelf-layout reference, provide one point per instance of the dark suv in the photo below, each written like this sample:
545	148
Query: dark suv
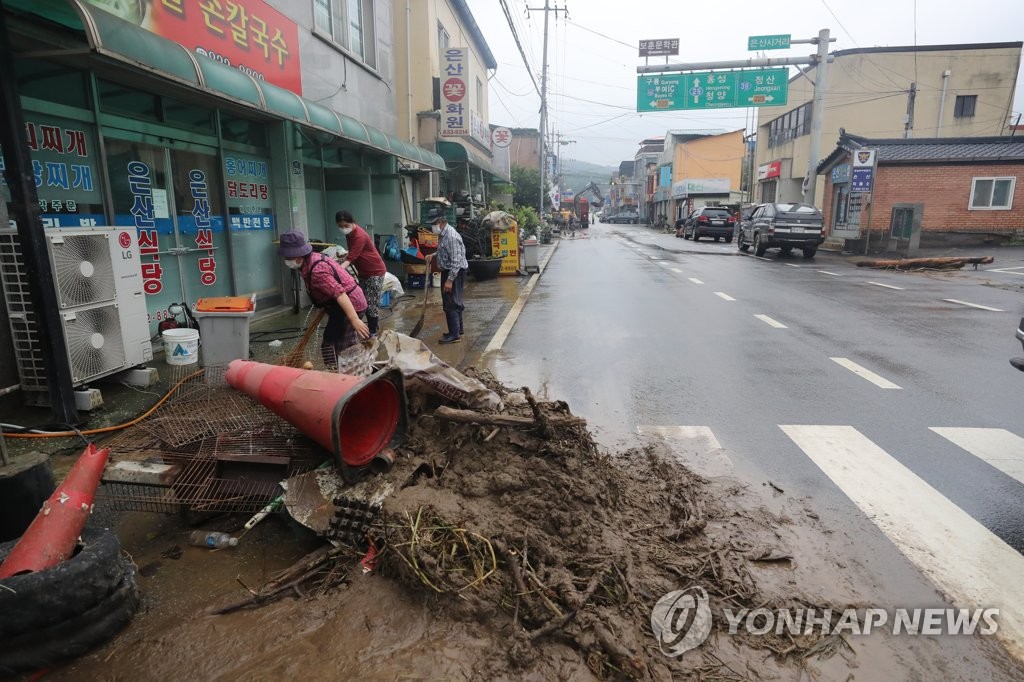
782	225
709	221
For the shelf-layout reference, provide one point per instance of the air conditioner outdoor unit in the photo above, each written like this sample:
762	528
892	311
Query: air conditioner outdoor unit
103	306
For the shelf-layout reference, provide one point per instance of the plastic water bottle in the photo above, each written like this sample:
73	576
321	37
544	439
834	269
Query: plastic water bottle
211	539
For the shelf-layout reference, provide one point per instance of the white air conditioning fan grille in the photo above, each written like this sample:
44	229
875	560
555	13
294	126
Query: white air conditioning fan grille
94	341
81	264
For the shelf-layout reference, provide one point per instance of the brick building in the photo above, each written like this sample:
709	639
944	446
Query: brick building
924	192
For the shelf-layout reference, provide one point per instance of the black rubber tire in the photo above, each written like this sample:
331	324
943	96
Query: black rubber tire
786	250
696	235
759	248
34	600
73	637
728	240
809	253
24	487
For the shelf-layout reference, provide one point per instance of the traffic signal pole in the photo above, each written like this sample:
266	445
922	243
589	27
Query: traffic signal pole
819	60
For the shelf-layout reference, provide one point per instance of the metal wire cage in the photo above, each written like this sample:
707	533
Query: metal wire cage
210	449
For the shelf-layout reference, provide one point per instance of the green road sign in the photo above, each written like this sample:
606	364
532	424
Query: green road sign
778	42
712	90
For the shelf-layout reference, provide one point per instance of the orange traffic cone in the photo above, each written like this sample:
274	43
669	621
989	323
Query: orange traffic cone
52	536
353	417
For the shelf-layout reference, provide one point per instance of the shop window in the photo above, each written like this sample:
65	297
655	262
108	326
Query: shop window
964	107
348	24
117	99
992	194
443	40
181	115
243	131
52	83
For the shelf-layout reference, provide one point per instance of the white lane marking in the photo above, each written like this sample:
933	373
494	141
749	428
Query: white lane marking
887	286
664	264
826	272
724	296
864	372
1001	448
695	280
1009	271
677	270
770	322
653	257
974	305
700	443
792	265
962	558
762	257
498	340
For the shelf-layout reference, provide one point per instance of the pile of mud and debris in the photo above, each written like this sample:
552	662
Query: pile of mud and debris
515	522
502	543
562	548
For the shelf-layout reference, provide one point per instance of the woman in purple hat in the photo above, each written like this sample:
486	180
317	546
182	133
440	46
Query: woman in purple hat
329	287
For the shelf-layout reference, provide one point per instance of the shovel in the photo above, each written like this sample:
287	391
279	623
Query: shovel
426	293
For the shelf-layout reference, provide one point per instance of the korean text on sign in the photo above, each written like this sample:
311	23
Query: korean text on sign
454	111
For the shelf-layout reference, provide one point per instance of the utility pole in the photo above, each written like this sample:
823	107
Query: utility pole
544	95
908	124
817	114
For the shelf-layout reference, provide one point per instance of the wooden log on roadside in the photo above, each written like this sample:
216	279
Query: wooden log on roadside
938	263
473	417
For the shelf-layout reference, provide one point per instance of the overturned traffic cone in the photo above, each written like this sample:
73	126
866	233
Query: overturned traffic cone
51	538
353	417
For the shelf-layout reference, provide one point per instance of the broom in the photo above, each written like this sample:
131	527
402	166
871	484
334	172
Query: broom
426	292
295	357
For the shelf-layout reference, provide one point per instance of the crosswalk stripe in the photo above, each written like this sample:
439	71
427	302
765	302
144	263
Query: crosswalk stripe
695	280
966	561
677	270
769	321
864	372
1001	448
974	305
724	296
706	453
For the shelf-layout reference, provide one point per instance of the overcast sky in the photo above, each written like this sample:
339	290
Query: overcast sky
592	56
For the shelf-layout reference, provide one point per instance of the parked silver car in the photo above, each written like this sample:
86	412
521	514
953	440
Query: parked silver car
782	225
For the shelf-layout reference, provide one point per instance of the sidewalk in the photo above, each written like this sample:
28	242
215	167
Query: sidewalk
488	304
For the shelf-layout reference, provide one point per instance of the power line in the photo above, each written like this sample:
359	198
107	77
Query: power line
511	27
597	33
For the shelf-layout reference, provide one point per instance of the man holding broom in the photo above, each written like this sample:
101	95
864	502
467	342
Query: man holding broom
451	258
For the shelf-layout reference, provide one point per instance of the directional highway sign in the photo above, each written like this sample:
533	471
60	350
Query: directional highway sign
712	90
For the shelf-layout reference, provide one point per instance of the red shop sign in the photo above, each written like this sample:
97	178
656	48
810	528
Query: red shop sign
248	35
774	169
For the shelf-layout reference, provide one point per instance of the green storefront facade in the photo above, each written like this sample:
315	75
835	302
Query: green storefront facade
206	162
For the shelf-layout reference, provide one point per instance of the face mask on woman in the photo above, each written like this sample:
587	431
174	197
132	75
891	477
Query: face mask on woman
436	229
347	230
293	264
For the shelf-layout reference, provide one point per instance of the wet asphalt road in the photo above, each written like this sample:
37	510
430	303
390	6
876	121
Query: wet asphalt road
635	328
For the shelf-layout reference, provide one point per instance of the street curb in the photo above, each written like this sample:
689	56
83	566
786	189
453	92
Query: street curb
498	340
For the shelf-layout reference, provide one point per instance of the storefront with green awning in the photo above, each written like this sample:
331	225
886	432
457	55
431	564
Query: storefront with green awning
208	160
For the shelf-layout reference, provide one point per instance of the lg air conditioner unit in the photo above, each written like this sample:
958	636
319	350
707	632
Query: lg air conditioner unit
103	306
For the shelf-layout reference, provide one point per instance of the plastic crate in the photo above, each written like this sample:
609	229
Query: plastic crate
416	281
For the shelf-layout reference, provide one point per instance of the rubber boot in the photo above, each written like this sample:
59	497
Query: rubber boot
462	329
453	335
372	323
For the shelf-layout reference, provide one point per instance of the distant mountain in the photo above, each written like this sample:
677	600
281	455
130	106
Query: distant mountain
576	174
